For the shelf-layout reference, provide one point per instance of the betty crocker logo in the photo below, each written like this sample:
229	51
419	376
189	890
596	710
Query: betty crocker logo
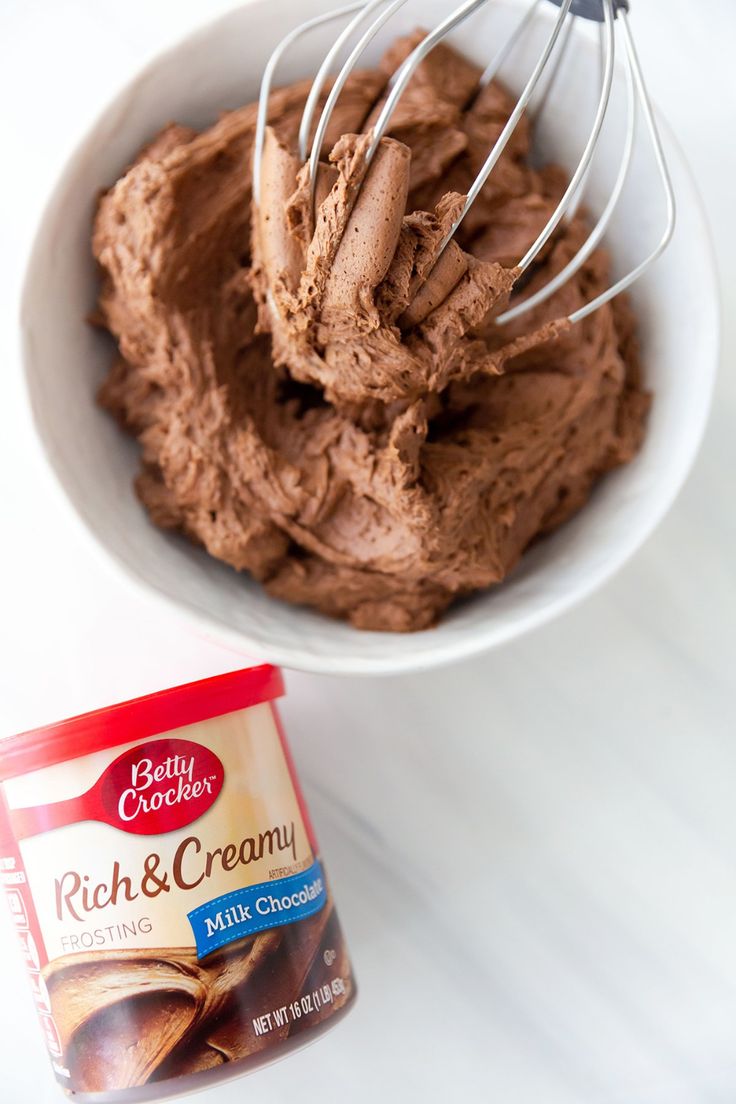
160	786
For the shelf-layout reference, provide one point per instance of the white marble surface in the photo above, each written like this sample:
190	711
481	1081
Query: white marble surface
534	852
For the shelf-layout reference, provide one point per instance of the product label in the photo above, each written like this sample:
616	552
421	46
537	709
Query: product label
168	896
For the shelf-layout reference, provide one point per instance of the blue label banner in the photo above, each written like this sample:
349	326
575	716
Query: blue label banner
257	908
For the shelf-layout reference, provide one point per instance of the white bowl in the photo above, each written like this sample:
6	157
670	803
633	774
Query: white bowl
65	360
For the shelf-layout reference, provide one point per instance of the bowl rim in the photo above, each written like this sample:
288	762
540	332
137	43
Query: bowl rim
456	647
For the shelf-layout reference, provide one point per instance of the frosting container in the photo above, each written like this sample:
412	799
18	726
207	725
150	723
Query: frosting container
167	890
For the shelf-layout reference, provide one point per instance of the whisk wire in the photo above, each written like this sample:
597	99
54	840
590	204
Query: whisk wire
511	125
590	146
596	235
337	88
407	69
577	199
267	81
538	105
324	70
494	67
664	175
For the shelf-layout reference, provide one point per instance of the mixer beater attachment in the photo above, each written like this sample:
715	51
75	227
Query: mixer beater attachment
613	19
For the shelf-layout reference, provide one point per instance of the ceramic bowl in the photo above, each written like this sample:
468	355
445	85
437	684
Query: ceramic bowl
65	359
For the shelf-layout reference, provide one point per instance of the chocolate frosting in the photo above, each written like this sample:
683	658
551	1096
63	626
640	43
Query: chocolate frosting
129	1017
320	404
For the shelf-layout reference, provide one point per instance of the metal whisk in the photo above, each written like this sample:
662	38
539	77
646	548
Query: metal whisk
611	15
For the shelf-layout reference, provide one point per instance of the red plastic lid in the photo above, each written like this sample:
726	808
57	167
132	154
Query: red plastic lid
138	719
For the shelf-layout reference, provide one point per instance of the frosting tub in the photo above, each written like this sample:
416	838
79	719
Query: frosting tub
167	890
